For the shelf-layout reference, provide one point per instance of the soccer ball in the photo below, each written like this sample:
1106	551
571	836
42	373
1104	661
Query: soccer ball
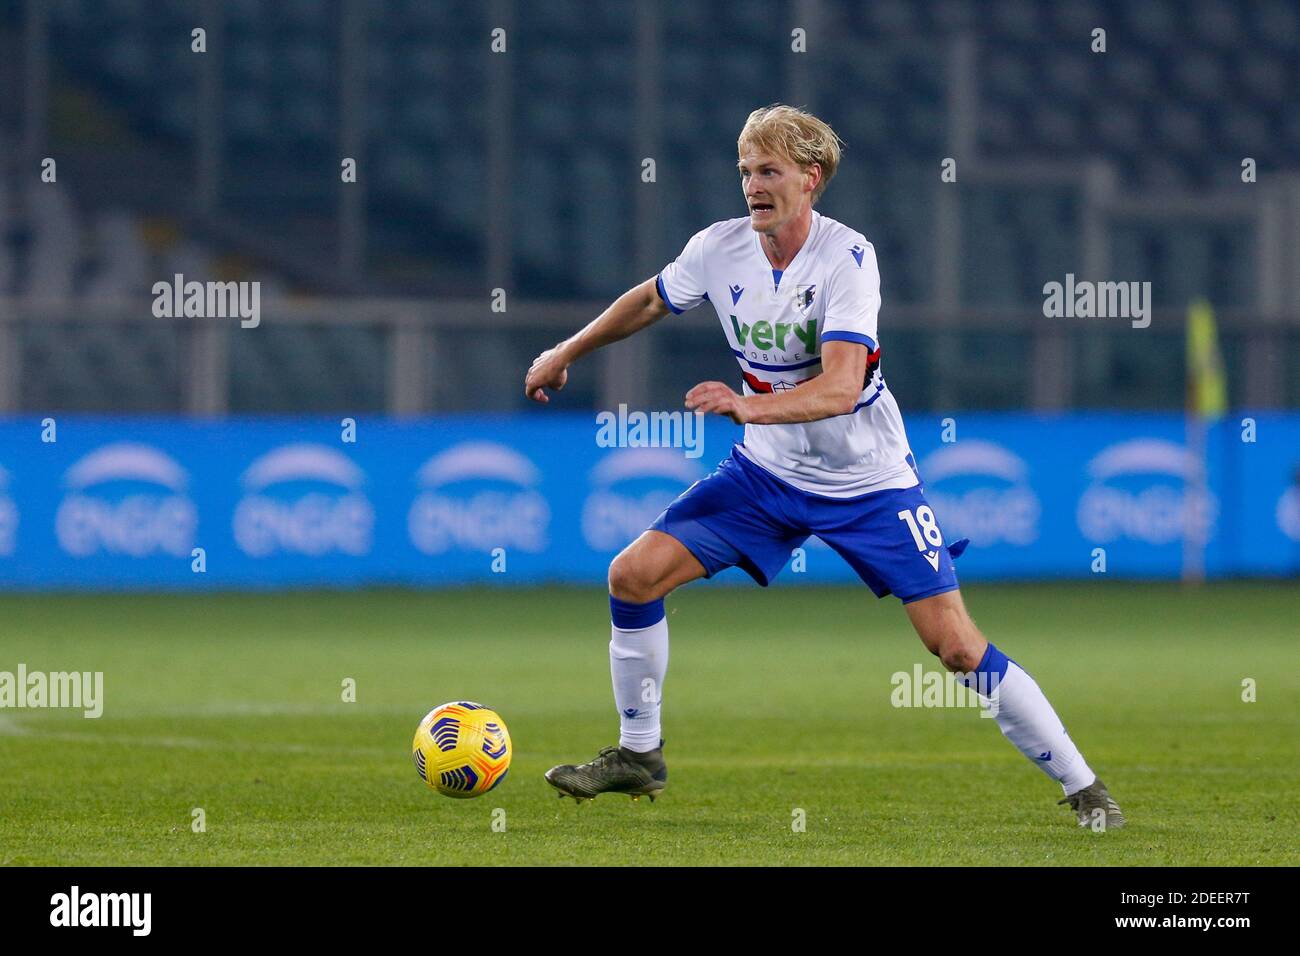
461	749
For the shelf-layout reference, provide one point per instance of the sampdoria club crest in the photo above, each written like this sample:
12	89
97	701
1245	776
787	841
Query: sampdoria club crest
803	297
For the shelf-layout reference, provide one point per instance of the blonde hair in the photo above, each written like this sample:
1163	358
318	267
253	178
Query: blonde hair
794	135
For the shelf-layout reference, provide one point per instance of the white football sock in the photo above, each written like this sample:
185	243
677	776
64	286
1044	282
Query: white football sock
1028	721
638	661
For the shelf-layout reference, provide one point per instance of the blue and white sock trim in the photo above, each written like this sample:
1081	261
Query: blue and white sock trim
988	675
630	616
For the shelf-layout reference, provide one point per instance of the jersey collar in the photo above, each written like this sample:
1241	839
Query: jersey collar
813	229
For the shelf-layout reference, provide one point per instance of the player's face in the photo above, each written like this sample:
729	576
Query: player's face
775	190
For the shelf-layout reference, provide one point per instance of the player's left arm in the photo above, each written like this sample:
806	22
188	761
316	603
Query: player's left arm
834	392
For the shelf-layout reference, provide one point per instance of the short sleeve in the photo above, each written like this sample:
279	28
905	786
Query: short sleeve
682	282
853	299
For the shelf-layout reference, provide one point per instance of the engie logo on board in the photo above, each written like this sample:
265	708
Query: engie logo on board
8	518
126	499
304	499
1288	512
1142	490
982	492
629	489
477	496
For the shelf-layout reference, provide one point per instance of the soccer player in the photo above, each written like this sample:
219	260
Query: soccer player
824	453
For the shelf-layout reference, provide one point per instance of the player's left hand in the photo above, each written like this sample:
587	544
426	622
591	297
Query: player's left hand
720	398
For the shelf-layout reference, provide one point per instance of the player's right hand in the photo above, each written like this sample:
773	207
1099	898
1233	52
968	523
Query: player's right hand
549	370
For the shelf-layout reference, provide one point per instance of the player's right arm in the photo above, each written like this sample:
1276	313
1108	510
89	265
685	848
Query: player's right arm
631	312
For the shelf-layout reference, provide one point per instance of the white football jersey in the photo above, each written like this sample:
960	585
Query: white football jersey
775	322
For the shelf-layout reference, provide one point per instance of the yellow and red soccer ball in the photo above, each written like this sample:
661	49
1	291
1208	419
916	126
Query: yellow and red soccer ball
461	749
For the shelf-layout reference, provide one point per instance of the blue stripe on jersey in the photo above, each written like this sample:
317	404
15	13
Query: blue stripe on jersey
880	387
659	284
776	278
857	337
773	368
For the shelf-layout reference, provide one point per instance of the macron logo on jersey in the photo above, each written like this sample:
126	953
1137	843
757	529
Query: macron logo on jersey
856	252
736	292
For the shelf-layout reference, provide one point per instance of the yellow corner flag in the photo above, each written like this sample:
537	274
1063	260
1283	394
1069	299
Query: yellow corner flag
1207	388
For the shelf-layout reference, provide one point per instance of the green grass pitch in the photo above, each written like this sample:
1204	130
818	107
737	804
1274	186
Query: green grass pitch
776	701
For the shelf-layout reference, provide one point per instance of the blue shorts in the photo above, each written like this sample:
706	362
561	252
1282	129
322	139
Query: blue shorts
744	516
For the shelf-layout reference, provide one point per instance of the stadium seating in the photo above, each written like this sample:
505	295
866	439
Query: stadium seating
1174	102
1182	93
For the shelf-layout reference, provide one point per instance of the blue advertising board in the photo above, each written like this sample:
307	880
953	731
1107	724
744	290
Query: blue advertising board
137	503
